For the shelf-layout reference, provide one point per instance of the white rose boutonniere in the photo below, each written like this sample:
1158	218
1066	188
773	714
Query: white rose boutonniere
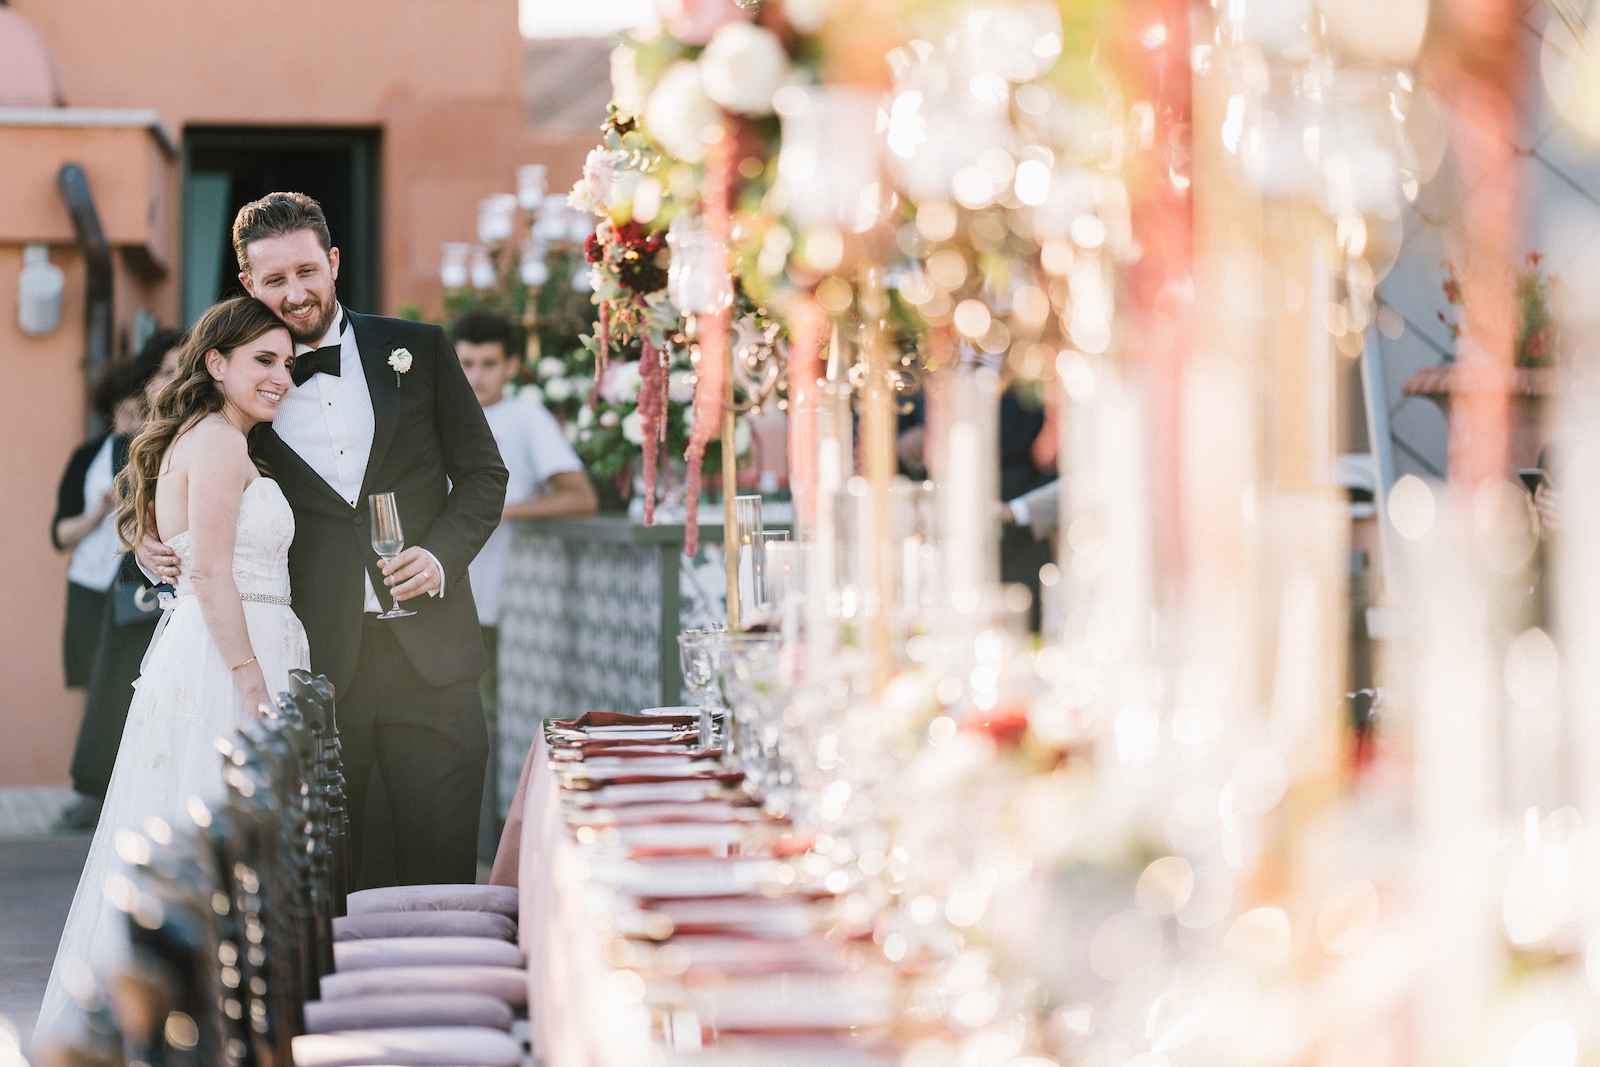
400	360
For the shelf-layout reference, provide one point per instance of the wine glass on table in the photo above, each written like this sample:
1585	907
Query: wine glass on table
387	539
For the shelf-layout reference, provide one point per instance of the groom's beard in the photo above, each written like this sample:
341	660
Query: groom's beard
314	329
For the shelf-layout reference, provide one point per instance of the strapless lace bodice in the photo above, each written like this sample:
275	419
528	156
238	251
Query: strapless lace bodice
260	543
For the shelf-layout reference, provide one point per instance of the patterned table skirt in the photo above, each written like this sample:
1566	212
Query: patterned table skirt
581	630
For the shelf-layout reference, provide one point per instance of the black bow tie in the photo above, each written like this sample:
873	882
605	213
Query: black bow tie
323	360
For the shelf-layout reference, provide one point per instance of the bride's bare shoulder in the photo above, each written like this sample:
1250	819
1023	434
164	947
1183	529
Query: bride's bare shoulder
209	443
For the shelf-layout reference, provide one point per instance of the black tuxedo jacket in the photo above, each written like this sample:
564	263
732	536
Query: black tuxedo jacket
427	429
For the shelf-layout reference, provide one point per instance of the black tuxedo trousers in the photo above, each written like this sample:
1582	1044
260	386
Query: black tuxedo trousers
402	686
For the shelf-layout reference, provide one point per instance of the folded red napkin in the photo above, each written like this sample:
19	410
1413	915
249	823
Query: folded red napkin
576	751
589	784
613	718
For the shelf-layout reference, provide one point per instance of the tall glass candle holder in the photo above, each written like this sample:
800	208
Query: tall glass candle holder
454	257
748	536
532	182
497	218
698	282
482	269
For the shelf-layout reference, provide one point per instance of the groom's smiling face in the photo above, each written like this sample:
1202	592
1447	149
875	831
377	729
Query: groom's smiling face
293	276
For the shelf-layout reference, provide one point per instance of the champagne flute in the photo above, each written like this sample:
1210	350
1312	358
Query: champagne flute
387	538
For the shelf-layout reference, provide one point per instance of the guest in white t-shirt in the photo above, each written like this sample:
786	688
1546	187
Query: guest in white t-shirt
547	478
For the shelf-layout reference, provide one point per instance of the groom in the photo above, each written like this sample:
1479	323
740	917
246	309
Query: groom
381	405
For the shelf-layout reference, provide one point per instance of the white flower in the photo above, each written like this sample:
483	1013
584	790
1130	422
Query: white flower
585	417
741	437
578	388
680	386
633	428
550	367
531	392
557	389
807	16
621	383
580	199
571	432
626	87
400	360
679	111
742	67
688	417
609	418
598	170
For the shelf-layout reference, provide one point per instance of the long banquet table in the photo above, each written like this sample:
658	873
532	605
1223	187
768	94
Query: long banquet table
664	916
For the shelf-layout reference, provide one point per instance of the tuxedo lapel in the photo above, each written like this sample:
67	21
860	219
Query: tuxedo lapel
373	343
285	462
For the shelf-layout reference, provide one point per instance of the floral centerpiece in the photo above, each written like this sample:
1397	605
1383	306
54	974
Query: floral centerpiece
692	148
644	398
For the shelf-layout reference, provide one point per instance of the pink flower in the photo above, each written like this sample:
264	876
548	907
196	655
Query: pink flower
609	418
697	21
598	171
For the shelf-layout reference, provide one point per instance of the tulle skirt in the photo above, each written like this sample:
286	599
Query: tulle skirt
184	700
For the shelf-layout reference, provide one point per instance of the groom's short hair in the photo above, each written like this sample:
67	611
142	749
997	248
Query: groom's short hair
274	215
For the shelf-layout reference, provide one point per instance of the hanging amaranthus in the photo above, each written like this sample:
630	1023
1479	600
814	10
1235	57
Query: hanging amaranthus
652	409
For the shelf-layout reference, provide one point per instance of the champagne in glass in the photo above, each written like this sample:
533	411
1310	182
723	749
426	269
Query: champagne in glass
387	538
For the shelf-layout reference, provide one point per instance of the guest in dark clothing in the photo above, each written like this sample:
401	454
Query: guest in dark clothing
1021	553
83	523
123	619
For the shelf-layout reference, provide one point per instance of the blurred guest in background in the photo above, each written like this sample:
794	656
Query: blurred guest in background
84	522
125	613
1038	510
547	480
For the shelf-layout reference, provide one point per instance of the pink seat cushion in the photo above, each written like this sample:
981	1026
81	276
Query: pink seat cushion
407	1009
425	952
424	924
508	983
496	898
419	1046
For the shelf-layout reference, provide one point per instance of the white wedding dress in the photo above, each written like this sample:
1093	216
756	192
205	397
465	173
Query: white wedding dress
185	699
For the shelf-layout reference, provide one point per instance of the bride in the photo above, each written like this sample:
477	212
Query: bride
227	645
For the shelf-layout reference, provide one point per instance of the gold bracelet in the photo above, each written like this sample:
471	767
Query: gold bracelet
246	663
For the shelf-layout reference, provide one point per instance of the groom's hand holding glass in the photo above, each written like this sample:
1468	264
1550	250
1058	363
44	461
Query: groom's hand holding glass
412	573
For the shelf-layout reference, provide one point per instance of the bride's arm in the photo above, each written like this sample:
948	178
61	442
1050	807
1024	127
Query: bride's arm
219	469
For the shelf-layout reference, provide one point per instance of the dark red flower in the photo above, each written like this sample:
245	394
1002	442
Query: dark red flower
593	250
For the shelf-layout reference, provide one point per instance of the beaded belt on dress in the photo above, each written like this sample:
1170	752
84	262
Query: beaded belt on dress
265	598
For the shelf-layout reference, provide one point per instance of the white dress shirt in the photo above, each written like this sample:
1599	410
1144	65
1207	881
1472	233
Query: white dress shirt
328	421
96	558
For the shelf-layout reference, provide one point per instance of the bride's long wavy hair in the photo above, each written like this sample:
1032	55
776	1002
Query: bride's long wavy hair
189	397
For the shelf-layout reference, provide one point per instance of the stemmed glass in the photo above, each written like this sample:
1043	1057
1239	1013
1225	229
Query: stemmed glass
387	539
